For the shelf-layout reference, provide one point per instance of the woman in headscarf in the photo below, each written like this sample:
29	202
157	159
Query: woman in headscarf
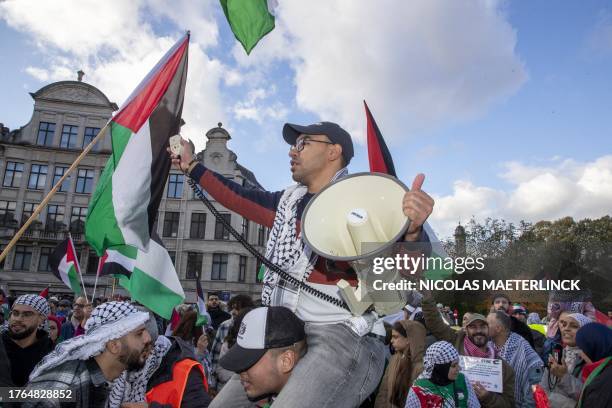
441	385
55	328
563	381
595	342
408	340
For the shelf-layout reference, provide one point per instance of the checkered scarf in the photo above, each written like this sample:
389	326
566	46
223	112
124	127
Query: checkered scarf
286	249
109	321
132	386
441	352
521	356
38	303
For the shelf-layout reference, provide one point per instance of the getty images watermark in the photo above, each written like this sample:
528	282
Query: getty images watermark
404	271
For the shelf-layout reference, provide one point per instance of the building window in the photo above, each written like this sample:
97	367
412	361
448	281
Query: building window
58	172
69	136
198	225
46	131
194	264
90	134
55	217
43	261
220	231
245	228
219	267
77	219
38	177
172	257
242	269
28	210
171	224
257	268
92	263
84	181
7	212
175	186
23	257
261	235
12	175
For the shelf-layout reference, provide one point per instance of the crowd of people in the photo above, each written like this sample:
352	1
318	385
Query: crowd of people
121	359
300	347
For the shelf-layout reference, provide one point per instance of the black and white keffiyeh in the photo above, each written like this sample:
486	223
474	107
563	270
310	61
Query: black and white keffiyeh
109	321
286	249
441	352
36	302
132	386
522	358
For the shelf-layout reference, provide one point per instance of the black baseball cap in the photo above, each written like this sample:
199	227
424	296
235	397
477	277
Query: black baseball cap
262	329
333	131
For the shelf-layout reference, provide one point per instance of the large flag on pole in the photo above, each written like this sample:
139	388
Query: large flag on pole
204	318
122	211
65	265
381	162
250	20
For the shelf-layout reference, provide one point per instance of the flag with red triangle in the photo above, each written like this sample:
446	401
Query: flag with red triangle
65	265
381	161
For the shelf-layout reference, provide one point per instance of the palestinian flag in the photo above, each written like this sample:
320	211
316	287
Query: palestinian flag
123	208
203	316
44	293
381	162
378	153
65	265
250	20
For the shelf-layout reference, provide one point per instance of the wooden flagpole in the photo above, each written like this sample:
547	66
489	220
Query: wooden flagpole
51	193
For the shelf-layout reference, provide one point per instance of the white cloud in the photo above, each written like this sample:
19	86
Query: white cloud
115	44
419	64
257	106
564	188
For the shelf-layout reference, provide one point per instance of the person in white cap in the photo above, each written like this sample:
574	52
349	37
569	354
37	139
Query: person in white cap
25	342
115	340
271	340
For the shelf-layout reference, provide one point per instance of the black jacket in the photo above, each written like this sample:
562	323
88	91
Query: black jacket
19	362
522	330
599	393
218	316
195	395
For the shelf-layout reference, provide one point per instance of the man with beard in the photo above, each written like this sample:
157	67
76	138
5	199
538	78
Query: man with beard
24	344
472	341
115	340
213	307
75	326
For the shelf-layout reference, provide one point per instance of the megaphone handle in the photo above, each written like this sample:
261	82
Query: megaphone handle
274	268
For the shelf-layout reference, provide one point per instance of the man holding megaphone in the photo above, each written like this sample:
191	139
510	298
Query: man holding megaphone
345	359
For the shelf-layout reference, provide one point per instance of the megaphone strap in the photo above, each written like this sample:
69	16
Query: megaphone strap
265	261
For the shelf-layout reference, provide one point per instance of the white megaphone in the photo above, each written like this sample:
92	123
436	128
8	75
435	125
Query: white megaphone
355	219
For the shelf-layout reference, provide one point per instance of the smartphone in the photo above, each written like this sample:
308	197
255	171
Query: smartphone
558	353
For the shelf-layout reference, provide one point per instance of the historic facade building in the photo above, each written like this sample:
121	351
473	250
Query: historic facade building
67	115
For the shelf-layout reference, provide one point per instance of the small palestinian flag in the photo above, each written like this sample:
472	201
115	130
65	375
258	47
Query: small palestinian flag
44	293
65	265
203	316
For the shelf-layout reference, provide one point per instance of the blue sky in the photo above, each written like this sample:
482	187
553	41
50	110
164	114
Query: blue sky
503	105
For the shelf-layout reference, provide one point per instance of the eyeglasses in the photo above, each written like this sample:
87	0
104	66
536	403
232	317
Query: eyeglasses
299	145
26	315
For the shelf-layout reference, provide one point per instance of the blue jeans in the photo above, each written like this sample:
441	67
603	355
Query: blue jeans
340	370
